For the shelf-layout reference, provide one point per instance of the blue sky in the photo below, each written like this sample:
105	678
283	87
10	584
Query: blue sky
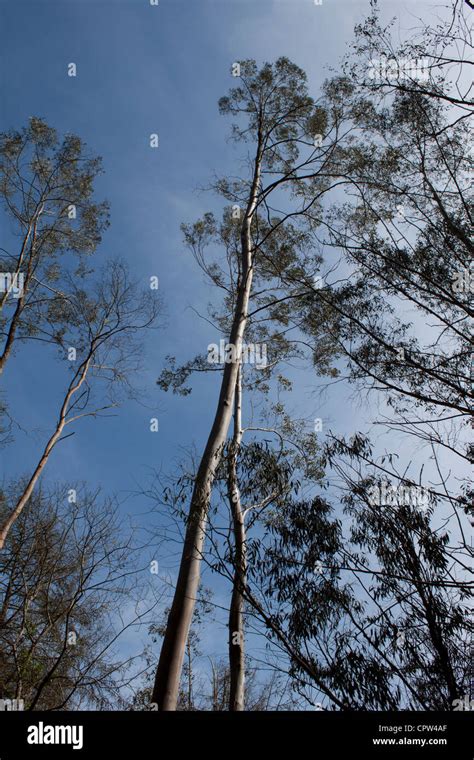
140	70
143	69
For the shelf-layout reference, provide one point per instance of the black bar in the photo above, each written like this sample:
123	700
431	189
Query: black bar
138	734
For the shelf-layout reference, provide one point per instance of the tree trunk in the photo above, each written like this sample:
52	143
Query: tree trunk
190	677
11	331
166	687
74	386
236	617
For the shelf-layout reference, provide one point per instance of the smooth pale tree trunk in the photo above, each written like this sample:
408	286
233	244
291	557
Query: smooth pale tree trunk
74	386
236	613
168	674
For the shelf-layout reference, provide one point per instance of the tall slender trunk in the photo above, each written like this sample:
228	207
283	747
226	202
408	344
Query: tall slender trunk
236	613
74	386
168	674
